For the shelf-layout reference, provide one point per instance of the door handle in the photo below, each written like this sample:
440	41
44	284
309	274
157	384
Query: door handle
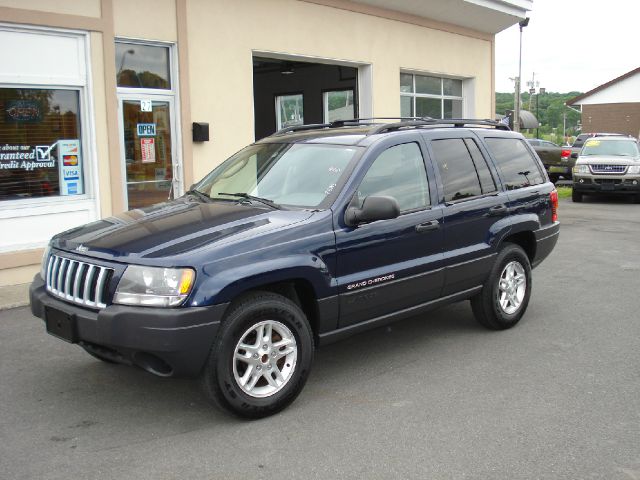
427	226
498	210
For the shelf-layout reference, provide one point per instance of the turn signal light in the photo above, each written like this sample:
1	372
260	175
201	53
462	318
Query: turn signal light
554	205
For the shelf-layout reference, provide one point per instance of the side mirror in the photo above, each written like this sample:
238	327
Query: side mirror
373	208
574	155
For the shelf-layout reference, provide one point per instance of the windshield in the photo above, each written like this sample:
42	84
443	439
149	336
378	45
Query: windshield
623	148
299	175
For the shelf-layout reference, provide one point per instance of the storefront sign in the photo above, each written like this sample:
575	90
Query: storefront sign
146	106
23	111
148	149
146	129
70	167
26	157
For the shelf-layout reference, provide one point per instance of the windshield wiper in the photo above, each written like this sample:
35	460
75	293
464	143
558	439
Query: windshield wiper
265	201
201	195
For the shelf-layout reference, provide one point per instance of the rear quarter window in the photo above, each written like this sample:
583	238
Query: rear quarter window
517	166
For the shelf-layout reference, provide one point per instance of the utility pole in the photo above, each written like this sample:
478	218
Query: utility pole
516	120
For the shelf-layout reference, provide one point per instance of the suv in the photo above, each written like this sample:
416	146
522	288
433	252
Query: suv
303	238
607	165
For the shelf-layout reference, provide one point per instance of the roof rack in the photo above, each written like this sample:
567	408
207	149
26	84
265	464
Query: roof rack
404	122
342	123
423	122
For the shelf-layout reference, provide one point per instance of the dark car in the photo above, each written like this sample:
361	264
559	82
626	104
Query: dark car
554	158
304	238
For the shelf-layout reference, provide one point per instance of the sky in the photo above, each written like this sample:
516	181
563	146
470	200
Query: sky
571	45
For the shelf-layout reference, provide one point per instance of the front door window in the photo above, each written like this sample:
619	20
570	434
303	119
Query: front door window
147	151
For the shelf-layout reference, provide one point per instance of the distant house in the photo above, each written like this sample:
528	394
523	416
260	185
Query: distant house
613	106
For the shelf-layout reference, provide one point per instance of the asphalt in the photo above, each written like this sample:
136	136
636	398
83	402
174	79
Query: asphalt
433	397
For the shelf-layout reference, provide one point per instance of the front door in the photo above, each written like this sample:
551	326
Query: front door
390	265
148	150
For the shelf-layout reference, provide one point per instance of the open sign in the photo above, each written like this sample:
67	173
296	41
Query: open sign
146	129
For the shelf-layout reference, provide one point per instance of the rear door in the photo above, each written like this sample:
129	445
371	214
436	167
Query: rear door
522	176
390	265
474	207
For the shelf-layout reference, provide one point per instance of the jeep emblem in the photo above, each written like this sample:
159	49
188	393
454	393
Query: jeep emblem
82	248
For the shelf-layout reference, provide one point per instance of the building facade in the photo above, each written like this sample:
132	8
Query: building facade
612	107
106	103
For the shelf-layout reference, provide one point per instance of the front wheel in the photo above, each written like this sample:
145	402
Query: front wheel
505	295
261	357
576	196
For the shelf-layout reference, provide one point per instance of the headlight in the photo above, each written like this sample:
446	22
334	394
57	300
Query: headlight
584	169
45	259
634	169
154	287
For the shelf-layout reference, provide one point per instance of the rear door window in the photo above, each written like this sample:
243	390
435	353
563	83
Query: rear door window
457	170
517	165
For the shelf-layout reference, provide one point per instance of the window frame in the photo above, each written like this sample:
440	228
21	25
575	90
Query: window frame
173	73
85	138
413	95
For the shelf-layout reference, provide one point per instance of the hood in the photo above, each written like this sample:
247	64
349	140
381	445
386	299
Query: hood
172	228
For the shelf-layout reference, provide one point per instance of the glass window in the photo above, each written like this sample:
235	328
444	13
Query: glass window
398	172
428	107
430	85
452	87
406	82
434	97
616	148
289	111
406	106
142	66
517	166
484	174
301	175
338	105
40	148
457	171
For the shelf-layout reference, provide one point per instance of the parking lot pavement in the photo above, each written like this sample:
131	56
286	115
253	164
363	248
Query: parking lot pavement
435	396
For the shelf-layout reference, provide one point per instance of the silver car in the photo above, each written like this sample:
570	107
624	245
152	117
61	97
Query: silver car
607	165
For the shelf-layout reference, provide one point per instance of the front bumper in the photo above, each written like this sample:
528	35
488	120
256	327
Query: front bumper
164	341
607	185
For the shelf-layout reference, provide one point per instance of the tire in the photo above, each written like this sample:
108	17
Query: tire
241	386
491	307
576	196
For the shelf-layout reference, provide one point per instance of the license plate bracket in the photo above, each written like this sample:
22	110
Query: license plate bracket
608	186
61	325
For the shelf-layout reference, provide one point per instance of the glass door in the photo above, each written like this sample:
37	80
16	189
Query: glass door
148	150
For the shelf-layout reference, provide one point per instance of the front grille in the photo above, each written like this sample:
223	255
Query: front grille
602	168
82	283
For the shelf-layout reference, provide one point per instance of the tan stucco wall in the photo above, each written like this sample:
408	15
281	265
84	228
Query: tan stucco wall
88	8
15	276
145	19
100	118
222	36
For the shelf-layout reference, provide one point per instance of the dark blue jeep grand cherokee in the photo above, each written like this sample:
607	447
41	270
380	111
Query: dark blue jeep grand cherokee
303	238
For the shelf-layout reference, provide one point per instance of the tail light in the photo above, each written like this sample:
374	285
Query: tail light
565	153
554	205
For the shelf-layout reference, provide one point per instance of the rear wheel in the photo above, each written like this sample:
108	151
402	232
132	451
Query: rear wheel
261	357
505	295
576	196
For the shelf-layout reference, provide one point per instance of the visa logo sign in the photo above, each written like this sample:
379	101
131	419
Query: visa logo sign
146	129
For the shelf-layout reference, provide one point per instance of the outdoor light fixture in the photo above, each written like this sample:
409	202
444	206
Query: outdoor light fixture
287	69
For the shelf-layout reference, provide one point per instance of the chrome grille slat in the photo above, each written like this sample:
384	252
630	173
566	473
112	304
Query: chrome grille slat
79	282
605	168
